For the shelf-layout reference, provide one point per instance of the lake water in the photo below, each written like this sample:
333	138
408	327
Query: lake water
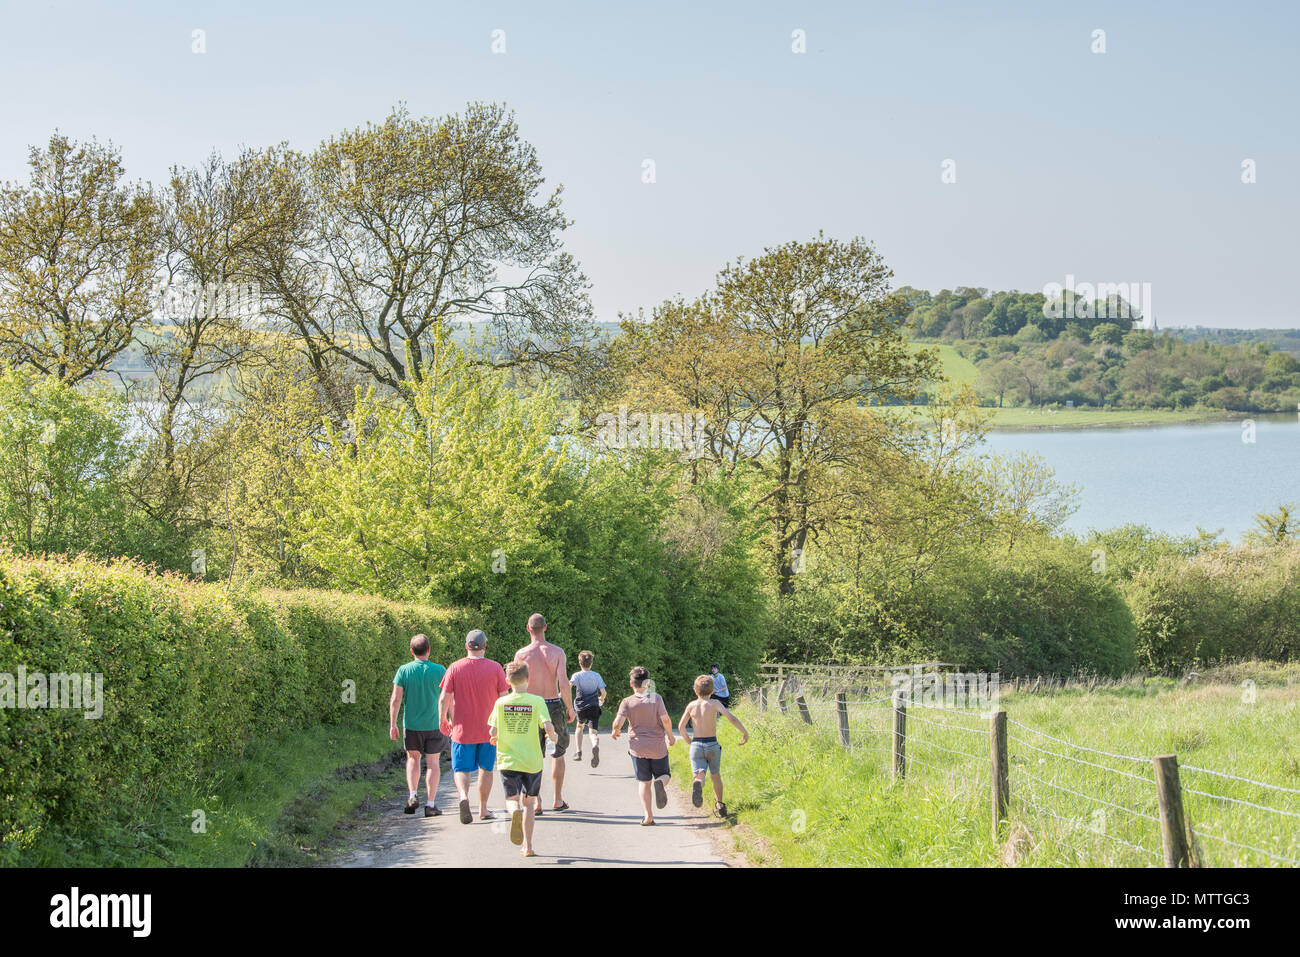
1172	478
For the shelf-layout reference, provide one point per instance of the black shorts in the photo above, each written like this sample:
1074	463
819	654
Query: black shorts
559	718
647	769
589	715
529	782
724	699
427	742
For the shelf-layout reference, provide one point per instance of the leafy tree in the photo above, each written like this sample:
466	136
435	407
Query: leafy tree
417	224
430	486
778	357
277	423
1272	528
999	376
216	220
1033	377
63	462
78	250
1107	333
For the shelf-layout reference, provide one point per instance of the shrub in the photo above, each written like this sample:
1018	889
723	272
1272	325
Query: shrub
191	674
1228	604
1036	609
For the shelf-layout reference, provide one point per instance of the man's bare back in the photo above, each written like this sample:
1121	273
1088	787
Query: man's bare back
545	663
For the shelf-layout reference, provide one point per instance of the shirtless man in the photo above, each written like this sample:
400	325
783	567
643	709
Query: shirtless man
548	679
706	753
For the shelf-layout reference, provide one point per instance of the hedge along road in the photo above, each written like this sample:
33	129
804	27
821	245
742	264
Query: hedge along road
602	827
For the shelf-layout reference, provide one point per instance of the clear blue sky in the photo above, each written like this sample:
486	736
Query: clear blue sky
1123	166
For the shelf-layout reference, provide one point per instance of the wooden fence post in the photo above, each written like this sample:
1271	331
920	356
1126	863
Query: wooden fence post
842	714
1173	830
1001	769
803	709
780	696
900	736
762	698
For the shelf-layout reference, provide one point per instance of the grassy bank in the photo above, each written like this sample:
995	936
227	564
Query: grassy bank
800	800
276	806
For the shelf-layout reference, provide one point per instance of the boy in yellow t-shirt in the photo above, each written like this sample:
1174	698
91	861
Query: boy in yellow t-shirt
514	723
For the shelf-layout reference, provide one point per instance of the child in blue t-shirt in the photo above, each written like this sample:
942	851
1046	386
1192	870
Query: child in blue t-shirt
588	696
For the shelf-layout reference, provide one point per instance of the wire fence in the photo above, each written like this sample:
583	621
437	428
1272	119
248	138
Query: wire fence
1092	805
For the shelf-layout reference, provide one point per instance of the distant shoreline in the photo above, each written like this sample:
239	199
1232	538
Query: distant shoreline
1036	420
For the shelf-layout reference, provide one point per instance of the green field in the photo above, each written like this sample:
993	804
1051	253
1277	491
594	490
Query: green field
798	799
956	368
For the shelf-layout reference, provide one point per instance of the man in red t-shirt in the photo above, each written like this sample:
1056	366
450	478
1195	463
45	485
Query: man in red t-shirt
470	690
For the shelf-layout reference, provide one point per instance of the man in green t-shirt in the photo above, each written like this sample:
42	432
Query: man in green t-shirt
419	683
515	723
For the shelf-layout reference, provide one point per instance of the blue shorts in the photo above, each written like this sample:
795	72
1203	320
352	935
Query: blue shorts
466	757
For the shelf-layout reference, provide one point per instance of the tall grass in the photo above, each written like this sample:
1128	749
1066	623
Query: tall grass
802	800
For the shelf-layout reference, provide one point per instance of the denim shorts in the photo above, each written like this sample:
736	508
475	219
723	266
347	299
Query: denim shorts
706	756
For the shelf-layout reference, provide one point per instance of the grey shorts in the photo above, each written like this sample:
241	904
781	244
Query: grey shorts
706	756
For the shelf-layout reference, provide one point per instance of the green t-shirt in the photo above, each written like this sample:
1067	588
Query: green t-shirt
420	682
517	718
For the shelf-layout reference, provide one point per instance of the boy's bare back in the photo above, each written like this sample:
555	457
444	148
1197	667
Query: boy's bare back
703	714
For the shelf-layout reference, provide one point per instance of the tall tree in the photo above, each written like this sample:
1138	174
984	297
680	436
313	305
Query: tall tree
416	224
217	219
779	357
78	253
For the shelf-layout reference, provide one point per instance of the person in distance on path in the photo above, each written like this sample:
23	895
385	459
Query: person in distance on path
720	691
590	696
652	736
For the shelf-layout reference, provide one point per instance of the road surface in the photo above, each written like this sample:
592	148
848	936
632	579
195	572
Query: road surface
601	829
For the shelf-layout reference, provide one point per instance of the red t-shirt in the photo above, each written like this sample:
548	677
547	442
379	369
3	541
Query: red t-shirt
476	683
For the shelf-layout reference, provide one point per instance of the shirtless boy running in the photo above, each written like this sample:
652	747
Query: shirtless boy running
706	753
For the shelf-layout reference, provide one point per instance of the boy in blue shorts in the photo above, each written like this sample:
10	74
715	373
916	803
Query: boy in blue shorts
588	697
706	753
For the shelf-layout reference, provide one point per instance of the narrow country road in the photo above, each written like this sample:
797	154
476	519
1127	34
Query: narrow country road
601	829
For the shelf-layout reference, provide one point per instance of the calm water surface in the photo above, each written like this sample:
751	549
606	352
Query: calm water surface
1172	478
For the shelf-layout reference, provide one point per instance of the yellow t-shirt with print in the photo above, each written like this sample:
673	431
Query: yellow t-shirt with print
517	718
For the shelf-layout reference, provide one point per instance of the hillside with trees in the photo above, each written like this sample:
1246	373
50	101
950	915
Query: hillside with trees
1030	351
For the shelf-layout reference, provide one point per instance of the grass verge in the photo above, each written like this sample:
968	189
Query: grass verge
800	800
276	806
